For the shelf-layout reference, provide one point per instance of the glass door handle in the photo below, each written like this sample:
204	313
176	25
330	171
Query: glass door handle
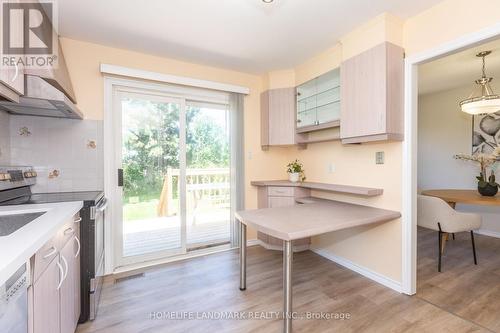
120	177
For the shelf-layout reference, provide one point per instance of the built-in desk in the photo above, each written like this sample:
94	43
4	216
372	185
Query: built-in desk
283	193
302	221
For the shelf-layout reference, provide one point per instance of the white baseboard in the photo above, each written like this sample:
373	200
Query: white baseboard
490	233
383	280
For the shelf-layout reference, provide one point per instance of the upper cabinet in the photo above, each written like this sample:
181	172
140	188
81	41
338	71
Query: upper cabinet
318	102
372	95
277	107
12	77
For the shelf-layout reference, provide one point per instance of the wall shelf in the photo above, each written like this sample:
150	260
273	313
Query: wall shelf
338	188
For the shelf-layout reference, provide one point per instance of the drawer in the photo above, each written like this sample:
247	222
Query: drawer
280	191
44	256
68	230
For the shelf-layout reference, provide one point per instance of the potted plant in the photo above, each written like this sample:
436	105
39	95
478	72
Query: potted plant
486	185
295	171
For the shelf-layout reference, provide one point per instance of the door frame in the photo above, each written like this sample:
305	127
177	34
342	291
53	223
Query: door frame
110	173
410	145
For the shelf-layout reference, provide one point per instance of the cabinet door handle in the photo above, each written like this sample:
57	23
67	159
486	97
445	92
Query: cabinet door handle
78	220
79	246
51	253
69	231
61	275
65	265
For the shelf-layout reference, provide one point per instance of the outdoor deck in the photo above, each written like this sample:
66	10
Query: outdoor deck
164	233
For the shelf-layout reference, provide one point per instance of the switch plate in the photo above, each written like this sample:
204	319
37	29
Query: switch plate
379	157
331	168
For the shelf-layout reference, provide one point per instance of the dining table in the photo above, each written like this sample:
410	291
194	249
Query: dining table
468	197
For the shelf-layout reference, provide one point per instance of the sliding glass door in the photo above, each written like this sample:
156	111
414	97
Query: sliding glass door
173	157
208	194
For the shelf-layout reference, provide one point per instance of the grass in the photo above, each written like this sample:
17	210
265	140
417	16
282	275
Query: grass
141	210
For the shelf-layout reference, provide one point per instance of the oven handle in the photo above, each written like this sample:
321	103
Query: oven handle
102	205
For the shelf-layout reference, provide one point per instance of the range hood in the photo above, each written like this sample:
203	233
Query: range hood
42	99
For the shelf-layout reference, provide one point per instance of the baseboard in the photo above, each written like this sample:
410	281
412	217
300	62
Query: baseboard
253	242
490	233
383	280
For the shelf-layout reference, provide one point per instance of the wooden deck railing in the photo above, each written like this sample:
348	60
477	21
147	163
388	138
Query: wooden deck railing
201	184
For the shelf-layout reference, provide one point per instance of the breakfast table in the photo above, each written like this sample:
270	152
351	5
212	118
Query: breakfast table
312	217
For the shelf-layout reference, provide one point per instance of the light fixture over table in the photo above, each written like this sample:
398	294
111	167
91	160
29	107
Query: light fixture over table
482	100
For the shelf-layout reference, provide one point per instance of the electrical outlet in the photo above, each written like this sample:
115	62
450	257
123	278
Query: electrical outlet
379	157
250	155
331	168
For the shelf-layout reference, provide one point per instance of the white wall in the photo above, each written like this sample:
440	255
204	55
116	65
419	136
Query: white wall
443	130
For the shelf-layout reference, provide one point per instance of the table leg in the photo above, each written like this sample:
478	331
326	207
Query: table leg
287	285
243	256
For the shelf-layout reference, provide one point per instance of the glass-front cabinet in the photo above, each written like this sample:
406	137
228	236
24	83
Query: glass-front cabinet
318	102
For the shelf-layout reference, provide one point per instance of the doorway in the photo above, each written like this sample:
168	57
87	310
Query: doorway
172	156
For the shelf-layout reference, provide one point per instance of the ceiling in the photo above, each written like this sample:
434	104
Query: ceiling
459	69
246	35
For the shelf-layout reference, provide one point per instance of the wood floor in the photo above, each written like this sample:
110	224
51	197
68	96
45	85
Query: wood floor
471	292
210	283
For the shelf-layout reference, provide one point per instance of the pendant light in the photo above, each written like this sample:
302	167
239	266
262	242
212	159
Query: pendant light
482	100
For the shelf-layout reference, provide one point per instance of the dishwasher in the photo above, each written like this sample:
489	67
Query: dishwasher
14	302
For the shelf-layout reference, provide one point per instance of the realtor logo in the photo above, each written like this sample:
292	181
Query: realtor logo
28	35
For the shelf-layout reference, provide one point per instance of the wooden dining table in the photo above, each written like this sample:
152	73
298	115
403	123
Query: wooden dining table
468	197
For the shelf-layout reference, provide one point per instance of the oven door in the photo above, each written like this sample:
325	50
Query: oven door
98	213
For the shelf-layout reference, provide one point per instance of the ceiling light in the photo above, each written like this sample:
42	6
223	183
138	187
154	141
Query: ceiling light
267	1
482	100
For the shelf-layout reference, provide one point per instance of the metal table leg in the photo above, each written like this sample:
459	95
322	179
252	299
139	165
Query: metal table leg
287	285
243	256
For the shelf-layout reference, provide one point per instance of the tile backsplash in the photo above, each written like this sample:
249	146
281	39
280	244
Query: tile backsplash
4	138
66	153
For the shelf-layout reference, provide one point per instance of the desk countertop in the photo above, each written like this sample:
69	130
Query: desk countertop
313	218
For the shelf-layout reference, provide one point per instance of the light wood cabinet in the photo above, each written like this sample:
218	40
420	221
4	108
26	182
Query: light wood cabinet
69	311
280	196
372	95
46	306
12	77
277	108
318	103
55	292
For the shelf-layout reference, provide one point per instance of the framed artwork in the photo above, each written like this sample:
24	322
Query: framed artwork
485	133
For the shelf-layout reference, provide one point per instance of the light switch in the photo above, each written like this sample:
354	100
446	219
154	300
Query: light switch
331	168
379	157
250	155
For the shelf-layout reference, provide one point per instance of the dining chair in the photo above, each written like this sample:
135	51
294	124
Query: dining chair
435	214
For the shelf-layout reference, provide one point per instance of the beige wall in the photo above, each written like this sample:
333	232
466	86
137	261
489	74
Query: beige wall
377	248
83	61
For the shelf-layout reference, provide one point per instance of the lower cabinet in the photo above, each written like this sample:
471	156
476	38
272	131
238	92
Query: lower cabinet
46	307
55	291
281	196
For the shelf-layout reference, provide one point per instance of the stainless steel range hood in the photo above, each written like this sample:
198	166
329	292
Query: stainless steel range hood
42	99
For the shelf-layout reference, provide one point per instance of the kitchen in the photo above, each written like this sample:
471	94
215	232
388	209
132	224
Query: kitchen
133	173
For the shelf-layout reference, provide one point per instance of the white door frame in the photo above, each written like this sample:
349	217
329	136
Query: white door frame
409	180
110	121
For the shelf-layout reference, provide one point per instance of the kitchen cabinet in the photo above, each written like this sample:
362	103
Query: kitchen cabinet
69	295
318	103
277	117
12	77
46	306
372	95
280	196
55	298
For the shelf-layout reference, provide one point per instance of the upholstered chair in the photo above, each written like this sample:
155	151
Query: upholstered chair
435	214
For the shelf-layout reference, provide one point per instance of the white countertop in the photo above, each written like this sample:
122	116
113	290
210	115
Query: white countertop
18	247
314	218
